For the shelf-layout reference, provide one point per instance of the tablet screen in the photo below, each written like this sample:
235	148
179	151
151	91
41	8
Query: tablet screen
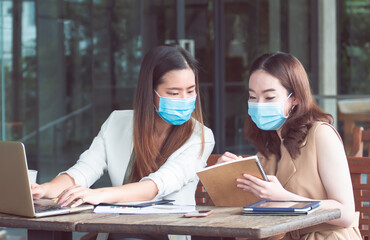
283	204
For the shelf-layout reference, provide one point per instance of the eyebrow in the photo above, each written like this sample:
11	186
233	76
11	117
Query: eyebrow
174	88
264	91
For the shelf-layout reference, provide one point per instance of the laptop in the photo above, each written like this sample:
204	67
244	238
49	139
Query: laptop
16	196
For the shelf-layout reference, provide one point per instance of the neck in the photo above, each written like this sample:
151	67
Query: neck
279	133
161	127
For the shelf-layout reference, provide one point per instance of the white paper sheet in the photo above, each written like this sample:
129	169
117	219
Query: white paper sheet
157	209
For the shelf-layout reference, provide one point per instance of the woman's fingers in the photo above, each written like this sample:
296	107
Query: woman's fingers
71	194
78	202
230	155
226	157
36	194
77	195
64	195
260	188
253	188
255	180
37	191
273	178
254	185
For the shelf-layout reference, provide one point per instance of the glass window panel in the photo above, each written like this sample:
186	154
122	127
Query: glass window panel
28	123
6	65
354	47
64	83
353	66
89	53
251	29
199	30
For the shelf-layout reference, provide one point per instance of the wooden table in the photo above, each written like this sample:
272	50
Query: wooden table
225	222
56	227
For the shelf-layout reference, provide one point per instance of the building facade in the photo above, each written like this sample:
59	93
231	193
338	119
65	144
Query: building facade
66	64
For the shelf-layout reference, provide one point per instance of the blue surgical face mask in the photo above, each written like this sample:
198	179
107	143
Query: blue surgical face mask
176	111
268	116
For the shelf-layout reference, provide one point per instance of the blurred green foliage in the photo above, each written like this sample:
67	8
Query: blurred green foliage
354	77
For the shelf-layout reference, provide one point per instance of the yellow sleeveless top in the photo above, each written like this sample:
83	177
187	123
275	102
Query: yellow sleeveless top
301	176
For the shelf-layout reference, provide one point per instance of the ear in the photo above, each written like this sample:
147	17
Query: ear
294	101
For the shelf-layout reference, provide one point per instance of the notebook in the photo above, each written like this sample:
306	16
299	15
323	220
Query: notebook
275	207
16	197
220	181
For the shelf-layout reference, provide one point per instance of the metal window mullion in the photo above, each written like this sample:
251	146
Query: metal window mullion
3	134
93	100
219	76
180	19
314	45
37	79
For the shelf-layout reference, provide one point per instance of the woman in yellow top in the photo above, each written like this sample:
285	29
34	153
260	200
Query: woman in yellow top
297	145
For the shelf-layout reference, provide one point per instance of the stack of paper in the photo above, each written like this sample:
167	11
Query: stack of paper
155	209
270	207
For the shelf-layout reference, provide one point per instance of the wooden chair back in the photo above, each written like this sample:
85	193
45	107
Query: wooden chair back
360	142
201	196
360	174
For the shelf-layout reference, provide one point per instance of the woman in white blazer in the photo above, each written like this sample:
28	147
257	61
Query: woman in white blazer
150	152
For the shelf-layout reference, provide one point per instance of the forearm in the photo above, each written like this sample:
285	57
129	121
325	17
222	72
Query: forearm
57	185
347	213
139	191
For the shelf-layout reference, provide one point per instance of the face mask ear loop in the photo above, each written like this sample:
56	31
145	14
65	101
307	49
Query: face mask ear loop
291	108
155	107
159	100
289	96
156	93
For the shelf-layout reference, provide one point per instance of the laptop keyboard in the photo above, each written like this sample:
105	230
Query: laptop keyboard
45	208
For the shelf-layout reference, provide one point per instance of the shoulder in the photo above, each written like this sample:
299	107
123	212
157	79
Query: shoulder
323	129
325	134
122	114
118	116
118	119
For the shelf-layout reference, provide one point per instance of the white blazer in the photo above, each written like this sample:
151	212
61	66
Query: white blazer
111	150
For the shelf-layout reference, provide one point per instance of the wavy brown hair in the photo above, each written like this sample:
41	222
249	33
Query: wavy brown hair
156	63
293	77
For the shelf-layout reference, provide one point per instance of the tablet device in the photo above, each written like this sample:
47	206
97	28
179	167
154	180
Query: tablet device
277	207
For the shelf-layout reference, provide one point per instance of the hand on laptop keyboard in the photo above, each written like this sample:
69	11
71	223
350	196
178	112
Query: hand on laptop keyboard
44	208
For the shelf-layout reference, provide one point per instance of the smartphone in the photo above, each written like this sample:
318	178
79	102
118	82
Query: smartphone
200	213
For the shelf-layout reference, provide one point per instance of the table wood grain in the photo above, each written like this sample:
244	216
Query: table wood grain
225	222
66	223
